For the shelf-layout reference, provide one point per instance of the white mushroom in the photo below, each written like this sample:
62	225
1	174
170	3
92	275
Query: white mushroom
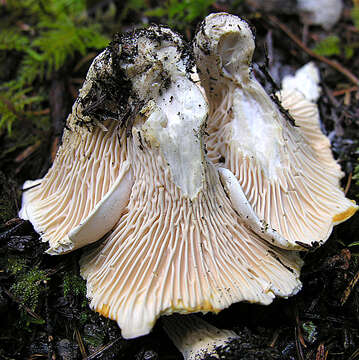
179	245
287	173
89	177
174	242
306	81
320	12
195	338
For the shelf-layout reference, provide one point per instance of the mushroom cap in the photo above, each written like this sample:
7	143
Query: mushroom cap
320	12
287	173
89	175
179	245
73	204
172	240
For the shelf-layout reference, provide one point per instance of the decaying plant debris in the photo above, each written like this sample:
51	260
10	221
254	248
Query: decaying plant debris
319	323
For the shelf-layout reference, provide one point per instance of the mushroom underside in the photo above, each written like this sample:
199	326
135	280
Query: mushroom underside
169	253
86	167
286	170
300	198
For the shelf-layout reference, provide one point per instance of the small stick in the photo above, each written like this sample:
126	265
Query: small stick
344	91
299	341
347	186
298	345
80	343
349	289
332	63
13	227
103	350
299	331
321	353
274	339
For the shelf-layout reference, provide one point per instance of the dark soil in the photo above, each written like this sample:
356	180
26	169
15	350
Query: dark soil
321	322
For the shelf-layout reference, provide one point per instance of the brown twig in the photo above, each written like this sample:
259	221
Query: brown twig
347	186
298	345
274	338
80	343
37	356
83	61
299	341
58	103
40	112
344	91
332	63
103	350
349	289
321	353
12	227
354	355
27	152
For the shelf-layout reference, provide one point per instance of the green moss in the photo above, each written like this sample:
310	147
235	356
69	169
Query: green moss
16	265
28	287
310	331
356	175
334	45
95	339
355	15
179	14
15	102
74	285
84	316
329	46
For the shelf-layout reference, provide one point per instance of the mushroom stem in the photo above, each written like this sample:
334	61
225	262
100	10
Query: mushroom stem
194	337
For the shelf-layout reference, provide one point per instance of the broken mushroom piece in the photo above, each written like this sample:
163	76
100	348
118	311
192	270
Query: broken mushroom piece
179	246
287	172
195	338
90	180
325	13
299	94
306	81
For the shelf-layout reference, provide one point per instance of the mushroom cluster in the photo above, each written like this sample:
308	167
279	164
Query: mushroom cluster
201	197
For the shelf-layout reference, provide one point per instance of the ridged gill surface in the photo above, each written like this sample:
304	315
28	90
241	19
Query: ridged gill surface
86	165
303	200
170	254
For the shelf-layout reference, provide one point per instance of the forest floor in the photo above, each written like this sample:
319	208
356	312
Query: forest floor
43	308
